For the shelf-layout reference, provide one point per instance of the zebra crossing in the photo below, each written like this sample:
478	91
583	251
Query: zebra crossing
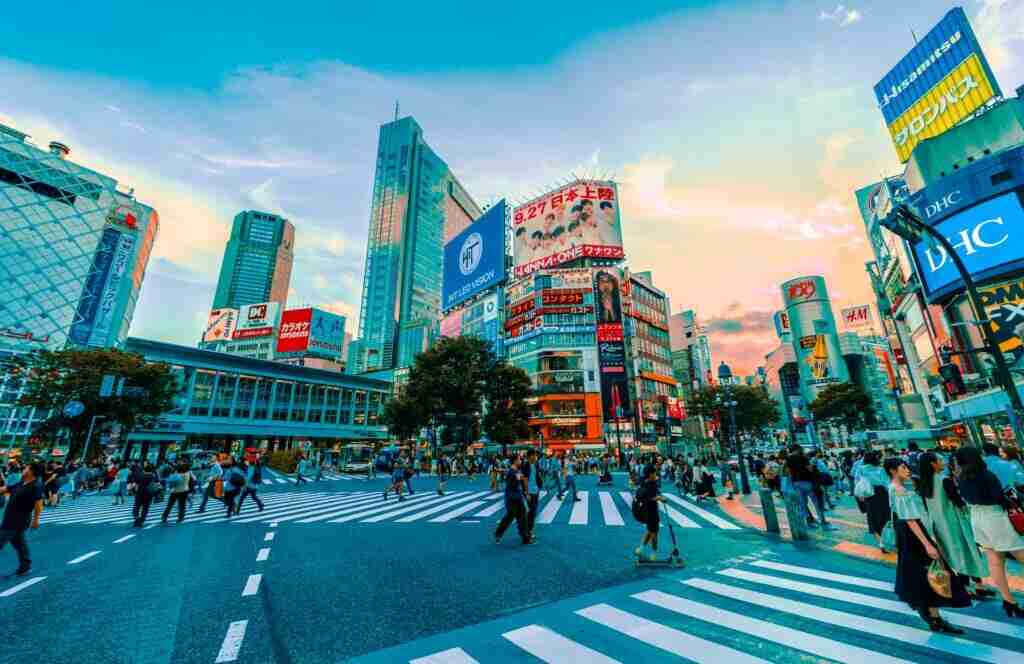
271	478
758	609
609	509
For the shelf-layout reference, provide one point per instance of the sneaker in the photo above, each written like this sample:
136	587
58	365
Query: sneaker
638	551
532	540
22	571
497	540
576	500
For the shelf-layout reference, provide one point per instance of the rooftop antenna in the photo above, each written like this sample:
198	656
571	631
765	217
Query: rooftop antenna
396	110
914	35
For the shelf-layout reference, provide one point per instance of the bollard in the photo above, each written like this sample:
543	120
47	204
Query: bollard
795	516
771	519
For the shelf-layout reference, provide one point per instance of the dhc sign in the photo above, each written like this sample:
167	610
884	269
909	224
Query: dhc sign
988	237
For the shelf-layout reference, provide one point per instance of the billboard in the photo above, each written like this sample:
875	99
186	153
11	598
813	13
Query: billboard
220	325
941	81
256	320
1004	306
92	290
781	320
474	260
611	348
293	336
327	334
815	340
580	220
108	298
451	325
857	317
988	237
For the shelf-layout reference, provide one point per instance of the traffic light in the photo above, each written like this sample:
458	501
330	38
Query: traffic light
952	380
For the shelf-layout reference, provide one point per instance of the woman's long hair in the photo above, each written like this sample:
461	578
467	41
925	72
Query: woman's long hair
970	462
926	474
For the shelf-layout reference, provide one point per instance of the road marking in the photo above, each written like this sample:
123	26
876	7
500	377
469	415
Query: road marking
960	648
458	512
451	656
717	520
860	599
420	500
768	631
580	510
826	576
547	515
490	511
232	642
269	537
300	508
86	556
273	524
671	640
437	507
123	539
350	509
252	585
550	646
609	511
263	554
21	586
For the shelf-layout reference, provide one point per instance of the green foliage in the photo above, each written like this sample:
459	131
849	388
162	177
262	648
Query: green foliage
844	403
506	392
284	461
405	416
755	410
56	377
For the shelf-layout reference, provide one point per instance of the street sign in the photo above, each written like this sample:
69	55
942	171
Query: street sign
107	385
73	408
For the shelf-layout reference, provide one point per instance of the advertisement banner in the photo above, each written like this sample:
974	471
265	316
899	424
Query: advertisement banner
857	317
815	340
256	320
108	299
988	237
293	337
327	334
676	409
781	320
89	303
220	325
475	258
491	307
942	80
517	290
886	362
561	296
572	278
451	325
611	350
1004	306
580	220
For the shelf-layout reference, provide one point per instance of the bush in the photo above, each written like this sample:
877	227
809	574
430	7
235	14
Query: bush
284	461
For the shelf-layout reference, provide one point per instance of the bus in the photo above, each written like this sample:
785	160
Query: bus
356	458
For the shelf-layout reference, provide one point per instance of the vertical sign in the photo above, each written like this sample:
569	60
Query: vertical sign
89	303
611	350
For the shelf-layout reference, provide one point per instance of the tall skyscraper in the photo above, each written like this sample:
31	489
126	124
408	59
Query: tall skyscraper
417	202
73	249
257	264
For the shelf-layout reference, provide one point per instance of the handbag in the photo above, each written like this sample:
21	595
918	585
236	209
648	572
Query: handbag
889	537
940	579
1016	520
863	488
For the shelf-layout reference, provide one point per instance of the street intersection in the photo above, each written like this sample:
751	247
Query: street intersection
331	572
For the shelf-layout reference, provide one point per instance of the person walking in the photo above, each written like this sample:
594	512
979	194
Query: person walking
319	465
408	471
442	474
533	481
725	469
515	491
916	551
570	477
871	490
253	479
24	506
178	486
214	479
120	484
397	480
301	470
983	491
555	473
649	496
234	482
147	486
803	482
949	522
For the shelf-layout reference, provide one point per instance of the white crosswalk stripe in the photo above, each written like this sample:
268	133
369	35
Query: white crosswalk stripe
709	618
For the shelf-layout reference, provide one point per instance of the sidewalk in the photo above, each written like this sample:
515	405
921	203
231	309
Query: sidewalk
851	536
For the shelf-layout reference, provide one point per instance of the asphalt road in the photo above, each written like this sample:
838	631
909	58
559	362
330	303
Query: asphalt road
331	573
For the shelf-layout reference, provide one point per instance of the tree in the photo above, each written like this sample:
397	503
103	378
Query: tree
53	378
755	410
506	392
405	417
844	403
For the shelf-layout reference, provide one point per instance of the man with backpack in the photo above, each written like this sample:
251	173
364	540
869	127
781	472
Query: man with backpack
533	482
253	478
147	486
515	505
178	485
645	510
214	475
234	482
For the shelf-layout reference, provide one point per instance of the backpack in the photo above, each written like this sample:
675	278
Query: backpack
257	474
237	480
153	488
639	507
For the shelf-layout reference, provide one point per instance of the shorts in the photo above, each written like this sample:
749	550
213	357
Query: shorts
653	522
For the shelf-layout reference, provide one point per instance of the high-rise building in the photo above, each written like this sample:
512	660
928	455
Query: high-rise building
73	249
257	264
417	203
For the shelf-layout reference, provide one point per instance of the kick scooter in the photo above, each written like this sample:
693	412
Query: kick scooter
674	559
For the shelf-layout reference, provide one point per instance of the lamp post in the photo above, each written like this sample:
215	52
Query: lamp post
725	379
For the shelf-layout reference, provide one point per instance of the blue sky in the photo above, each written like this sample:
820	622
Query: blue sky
738	130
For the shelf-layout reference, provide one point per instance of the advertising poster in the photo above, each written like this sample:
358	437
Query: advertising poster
108	299
611	349
451	325
256	320
580	220
815	341
989	238
89	303
220	325
858	317
1004	306
326	334
941	81
474	260
781	320
293	336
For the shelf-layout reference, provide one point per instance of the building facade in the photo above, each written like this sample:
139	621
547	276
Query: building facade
417	203
74	247
650	349
257	265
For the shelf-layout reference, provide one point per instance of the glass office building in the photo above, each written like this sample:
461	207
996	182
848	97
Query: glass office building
417	203
74	247
257	264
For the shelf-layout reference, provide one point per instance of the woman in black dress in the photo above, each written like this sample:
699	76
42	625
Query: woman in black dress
916	551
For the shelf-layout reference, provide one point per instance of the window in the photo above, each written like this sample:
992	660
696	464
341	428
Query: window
202	393
301	402
359	414
282	400
246	392
262	399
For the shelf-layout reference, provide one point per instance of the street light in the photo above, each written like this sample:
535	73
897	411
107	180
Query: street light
725	378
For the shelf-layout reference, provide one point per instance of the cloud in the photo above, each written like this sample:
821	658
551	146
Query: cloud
842	15
737	320
1000	28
